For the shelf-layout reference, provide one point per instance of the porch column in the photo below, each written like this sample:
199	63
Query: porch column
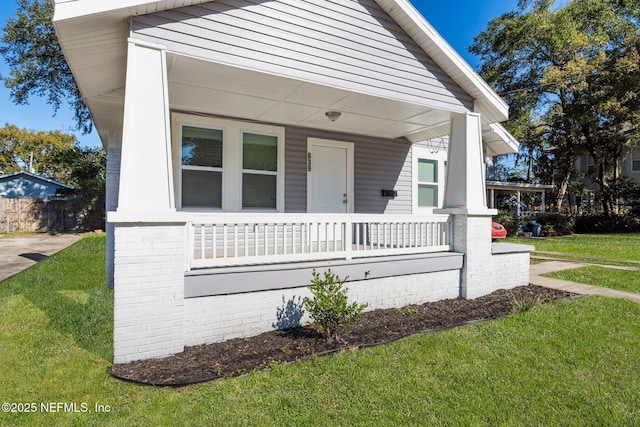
149	242
112	183
465	201
146	184
542	204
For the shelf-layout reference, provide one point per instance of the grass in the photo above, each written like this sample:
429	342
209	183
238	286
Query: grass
621	280
614	249
567	363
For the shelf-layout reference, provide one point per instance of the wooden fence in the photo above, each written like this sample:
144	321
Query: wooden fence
48	215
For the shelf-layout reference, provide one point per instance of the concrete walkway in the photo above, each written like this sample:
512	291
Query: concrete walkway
18	252
537	270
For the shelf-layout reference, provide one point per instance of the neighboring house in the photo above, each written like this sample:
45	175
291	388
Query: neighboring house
251	141
630	167
21	185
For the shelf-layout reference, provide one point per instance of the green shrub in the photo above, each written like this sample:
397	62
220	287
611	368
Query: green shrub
509	221
556	224
329	308
607	224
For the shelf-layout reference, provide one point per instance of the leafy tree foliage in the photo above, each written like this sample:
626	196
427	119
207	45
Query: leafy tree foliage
85	170
22	149
571	76
37	66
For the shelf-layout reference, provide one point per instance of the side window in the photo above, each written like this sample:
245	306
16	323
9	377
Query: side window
427	183
201	167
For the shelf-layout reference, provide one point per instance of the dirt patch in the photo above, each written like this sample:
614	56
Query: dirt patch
242	355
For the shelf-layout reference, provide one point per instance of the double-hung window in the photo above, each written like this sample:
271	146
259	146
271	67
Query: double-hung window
201	167
259	171
427	183
428	178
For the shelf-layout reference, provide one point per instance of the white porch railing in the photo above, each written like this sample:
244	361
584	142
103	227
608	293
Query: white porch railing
223	240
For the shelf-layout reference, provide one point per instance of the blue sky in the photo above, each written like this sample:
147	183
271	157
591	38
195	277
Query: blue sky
458	21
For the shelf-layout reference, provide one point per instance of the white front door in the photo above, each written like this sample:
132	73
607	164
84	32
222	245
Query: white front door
329	176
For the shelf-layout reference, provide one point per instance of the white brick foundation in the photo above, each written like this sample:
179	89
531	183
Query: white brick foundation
149	291
219	318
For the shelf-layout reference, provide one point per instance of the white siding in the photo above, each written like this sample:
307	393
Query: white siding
347	44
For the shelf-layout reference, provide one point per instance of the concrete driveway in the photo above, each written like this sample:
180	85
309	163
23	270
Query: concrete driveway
18	252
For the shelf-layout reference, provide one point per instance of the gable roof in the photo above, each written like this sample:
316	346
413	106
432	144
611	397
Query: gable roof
93	35
23	184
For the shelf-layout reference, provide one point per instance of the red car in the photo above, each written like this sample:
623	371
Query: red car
498	231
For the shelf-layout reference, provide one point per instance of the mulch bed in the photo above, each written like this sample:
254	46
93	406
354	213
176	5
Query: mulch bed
241	355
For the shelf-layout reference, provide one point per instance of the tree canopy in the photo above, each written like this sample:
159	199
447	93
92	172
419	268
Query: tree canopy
37	66
571	77
27	149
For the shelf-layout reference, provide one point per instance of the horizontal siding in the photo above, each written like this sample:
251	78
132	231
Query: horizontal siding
379	164
348	44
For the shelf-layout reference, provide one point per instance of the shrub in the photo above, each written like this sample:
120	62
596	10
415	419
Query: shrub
509	221
607	224
556	223
329	308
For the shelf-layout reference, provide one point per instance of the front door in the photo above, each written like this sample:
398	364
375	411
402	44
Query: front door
329	176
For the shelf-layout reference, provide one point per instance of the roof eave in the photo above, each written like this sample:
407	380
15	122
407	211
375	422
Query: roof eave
488	102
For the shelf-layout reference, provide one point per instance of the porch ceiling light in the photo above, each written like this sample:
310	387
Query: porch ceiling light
333	115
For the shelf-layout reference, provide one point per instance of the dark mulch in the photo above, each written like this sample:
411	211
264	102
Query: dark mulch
241	355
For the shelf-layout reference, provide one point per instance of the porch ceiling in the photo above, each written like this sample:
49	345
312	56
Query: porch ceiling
207	87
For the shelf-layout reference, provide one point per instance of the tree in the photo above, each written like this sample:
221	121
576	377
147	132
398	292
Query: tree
37	66
85	170
28	149
571	78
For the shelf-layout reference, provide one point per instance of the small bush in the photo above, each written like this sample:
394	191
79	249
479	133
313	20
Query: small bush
329	307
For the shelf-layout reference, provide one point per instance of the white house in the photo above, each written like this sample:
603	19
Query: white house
251	141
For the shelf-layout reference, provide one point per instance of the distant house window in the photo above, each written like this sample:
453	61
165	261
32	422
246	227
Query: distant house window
201	167
427	183
635	159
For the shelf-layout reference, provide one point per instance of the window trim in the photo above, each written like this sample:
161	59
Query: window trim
232	166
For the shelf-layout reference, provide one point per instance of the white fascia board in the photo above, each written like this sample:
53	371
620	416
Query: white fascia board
403	12
503	135
70	9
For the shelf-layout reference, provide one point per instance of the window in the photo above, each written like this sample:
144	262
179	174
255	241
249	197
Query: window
259	170
635	159
427	183
201	167
227	165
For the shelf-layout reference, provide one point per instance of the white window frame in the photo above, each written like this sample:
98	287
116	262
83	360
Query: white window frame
232	169
277	173
420	152
182	167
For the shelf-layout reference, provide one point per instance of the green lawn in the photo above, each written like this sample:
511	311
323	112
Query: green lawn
599	276
586	247
568	363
